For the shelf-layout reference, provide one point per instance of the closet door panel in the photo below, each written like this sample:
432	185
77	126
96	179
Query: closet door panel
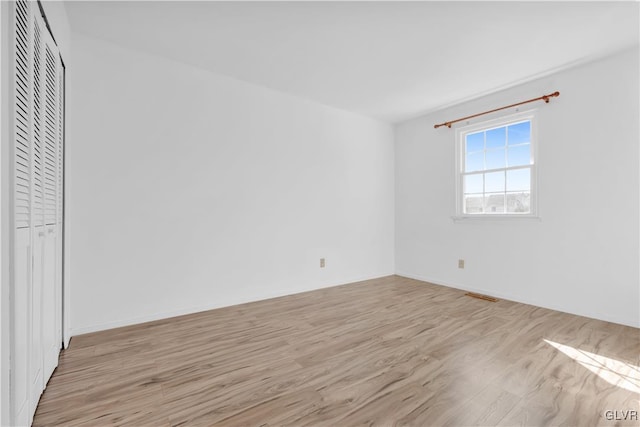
37	239
51	339
50	299
36	345
21	360
20	373
37	218
60	202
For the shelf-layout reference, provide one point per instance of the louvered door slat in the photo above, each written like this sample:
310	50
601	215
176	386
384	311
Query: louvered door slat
24	118
21	108
38	131
20	78
22	125
59	148
50	139
21	163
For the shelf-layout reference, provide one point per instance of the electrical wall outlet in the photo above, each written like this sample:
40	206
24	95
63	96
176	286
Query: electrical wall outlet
322	262
460	263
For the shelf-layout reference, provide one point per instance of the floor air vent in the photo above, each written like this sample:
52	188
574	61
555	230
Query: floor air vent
480	296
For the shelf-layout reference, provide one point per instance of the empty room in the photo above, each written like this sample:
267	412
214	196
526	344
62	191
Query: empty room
329	213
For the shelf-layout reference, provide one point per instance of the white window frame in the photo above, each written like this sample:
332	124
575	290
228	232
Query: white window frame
461	133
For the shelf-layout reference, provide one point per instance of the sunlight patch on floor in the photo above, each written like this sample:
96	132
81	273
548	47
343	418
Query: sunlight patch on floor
616	372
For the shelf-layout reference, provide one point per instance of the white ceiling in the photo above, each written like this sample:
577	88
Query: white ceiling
388	60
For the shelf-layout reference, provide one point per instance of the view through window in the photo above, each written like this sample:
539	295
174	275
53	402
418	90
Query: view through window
496	168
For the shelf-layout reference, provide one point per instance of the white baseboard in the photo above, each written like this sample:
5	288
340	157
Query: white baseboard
210	306
599	316
276	294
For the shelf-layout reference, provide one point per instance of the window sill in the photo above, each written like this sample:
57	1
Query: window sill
496	218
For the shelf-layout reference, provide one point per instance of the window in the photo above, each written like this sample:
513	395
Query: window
496	172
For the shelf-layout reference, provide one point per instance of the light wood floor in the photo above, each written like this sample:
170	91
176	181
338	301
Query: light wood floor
390	351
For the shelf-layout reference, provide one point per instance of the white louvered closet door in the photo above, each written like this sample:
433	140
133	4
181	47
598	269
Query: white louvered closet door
52	260
38	188
21	360
37	236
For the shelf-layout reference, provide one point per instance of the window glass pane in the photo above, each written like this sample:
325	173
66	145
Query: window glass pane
519	133
473	204
494	203
494	182
520	155
519	202
474	162
519	180
497	137
475	141
473	183
495	159
497	168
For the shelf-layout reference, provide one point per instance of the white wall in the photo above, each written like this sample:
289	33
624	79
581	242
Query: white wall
582	257
193	190
56	15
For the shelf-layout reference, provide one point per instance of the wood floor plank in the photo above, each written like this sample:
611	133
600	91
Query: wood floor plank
388	351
